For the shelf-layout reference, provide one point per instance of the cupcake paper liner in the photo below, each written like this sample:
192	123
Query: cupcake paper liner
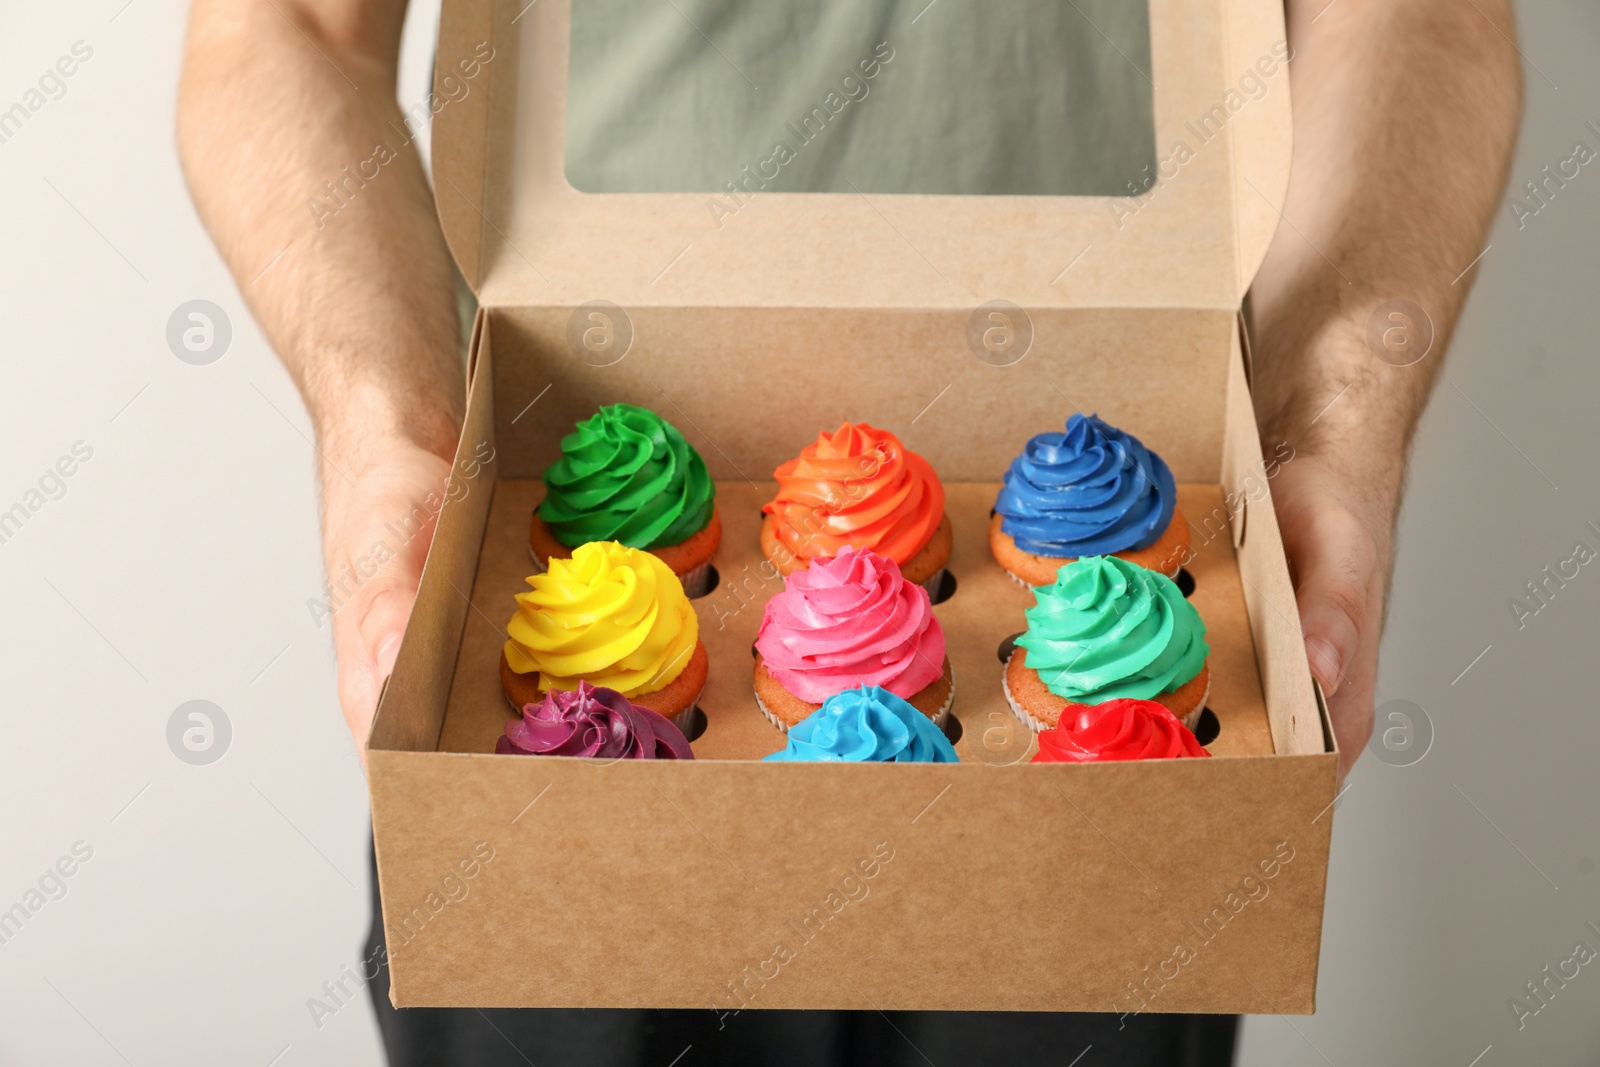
685	718
932	584
939	720
696	580
1190	720
782	726
1017	709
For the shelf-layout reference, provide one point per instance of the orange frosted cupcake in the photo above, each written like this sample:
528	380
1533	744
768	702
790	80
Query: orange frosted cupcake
859	486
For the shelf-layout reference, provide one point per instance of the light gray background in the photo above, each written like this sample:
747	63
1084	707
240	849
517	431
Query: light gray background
178	564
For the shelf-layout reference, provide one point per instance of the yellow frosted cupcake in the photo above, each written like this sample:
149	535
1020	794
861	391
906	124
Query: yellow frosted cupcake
612	616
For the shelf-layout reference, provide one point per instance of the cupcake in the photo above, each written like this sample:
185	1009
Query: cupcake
859	487
1117	730
846	622
614	617
593	722
867	724
627	475
1107	629
1091	491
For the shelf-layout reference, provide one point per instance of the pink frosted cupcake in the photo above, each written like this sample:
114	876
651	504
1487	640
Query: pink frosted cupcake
850	621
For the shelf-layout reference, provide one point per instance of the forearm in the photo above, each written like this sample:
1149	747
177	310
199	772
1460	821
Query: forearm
1405	115
356	296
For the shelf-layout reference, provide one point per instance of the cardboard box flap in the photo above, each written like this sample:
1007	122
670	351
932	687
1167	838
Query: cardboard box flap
1260	129
524	237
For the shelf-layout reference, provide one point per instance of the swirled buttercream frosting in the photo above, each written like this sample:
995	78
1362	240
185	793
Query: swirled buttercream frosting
867	724
610	615
1108	628
626	474
858	486
1089	491
849	621
1117	730
595	722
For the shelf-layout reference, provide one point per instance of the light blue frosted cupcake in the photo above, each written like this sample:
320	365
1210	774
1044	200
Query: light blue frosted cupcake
867	724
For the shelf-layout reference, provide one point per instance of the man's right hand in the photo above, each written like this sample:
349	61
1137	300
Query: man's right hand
281	103
378	521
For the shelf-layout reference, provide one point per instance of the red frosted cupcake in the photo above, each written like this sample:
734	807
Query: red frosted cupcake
1117	730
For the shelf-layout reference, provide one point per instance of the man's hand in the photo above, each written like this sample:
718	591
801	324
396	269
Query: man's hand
1405	114
1339	554
376	530
283	107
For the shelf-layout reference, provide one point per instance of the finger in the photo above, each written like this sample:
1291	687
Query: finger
366	643
1335	569
381	624
1331	611
1340	625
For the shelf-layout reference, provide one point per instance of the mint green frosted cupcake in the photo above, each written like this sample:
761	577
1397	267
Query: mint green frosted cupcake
1107	629
626	474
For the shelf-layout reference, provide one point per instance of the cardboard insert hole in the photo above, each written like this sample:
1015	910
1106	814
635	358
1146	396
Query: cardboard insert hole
714	578
692	723
952	728
947	588
1208	728
1185	582
1009	645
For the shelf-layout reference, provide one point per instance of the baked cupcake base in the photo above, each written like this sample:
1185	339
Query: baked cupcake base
689	559
1033	702
926	568
783	709
1167	556
675	701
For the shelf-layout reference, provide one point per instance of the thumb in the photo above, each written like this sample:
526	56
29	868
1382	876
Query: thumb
367	653
382	623
1330	614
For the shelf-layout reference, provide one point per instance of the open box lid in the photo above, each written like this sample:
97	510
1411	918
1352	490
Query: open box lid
524	237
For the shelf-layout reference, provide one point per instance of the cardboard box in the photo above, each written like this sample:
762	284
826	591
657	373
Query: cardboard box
725	883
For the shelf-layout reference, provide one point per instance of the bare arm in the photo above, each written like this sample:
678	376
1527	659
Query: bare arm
279	98
1405	116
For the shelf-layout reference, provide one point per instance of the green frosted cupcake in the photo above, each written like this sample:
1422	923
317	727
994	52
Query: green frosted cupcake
626	474
1107	629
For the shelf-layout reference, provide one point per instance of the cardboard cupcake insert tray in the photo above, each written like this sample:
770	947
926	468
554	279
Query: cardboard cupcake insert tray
985	609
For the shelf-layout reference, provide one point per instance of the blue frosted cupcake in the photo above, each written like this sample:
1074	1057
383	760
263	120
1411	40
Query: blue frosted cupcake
1091	490
867	724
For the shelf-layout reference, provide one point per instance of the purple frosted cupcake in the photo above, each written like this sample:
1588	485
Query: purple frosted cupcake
593	722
